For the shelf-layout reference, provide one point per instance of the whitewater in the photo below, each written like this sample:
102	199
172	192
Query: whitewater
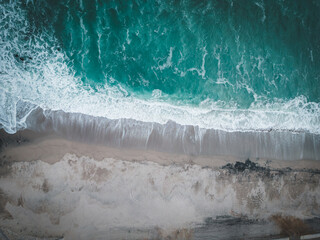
36	72
159	119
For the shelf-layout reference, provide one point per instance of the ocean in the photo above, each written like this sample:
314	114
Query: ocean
230	65
235	66
226	78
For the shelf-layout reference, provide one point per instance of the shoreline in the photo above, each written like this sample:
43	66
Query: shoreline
59	182
28	146
172	137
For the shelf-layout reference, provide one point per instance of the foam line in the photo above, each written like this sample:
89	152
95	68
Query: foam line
35	71
175	138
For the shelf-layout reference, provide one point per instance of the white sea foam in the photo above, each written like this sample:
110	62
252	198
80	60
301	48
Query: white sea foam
45	79
79	197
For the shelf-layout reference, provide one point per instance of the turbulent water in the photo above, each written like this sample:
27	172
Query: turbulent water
226	77
223	65
81	198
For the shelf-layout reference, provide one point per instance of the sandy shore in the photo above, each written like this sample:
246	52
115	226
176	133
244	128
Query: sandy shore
54	187
50	148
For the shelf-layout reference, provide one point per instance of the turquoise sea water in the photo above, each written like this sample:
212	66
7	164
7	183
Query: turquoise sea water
234	65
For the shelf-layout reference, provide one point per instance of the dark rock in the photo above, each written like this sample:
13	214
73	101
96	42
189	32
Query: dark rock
228	166
242	166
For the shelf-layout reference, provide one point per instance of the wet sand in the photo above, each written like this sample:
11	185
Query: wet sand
56	187
29	146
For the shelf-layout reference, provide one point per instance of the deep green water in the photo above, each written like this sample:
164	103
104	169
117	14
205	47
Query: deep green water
223	50
232	55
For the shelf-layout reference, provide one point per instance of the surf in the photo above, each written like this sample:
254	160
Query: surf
111	69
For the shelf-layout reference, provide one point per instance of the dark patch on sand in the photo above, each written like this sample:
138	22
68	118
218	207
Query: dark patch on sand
45	186
249	166
4	214
243	166
291	226
229	220
5	165
7	139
